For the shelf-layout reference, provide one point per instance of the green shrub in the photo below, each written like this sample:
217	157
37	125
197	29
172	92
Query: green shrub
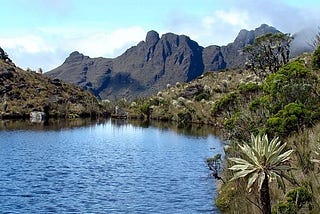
289	119
258	103
295	199
292	83
300	196
184	117
224	102
232	122
248	87
284	208
225	196
155	101
202	96
145	108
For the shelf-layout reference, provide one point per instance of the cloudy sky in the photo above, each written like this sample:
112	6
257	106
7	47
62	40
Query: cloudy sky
42	33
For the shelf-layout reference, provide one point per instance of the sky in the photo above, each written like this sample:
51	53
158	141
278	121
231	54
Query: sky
42	33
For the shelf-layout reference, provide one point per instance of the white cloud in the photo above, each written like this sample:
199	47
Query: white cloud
28	43
45	47
233	17
99	43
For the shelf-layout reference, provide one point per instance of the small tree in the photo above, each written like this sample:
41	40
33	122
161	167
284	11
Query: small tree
262	161
269	52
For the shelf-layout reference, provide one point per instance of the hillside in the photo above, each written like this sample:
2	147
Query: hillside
152	64
237	103
24	91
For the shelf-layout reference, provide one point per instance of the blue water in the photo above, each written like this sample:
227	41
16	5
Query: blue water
105	168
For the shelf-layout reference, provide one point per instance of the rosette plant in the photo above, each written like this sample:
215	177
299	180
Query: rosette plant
262	161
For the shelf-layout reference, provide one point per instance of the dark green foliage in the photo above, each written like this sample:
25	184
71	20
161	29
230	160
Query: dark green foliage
184	117
155	101
226	195
269	52
289	119
295	199
299	196
233	121
202	96
225	103
292	83
316	58
145	108
248	87
284	208
259	103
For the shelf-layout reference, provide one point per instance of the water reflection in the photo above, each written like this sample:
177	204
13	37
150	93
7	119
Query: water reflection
109	166
190	129
51	124
58	124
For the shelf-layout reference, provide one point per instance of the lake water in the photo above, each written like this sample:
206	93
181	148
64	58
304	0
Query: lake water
105	167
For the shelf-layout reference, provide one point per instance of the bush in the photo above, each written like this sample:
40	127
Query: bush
258	103
145	108
300	196
292	83
291	118
184	117
202	96
225	196
295	199
225	102
284	208
249	87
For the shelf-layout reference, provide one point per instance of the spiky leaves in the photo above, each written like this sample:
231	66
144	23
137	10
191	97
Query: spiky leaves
261	159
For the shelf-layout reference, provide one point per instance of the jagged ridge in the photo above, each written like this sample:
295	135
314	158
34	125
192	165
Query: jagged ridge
149	66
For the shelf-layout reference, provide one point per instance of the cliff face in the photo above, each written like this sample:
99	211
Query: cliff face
149	66
141	71
231	55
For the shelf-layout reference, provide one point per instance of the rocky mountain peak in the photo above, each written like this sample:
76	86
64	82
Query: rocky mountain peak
75	57
152	38
149	66
263	29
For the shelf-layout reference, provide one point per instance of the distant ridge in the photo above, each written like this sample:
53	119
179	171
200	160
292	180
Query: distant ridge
151	65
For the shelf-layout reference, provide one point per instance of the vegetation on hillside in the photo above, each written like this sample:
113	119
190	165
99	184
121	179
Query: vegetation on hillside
285	103
22	92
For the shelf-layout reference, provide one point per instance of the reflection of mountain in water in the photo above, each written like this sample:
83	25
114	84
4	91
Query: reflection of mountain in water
198	130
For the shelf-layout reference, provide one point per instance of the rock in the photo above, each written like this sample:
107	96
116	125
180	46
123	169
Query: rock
148	67
37	116
56	82
6	74
152	38
4	56
191	91
119	113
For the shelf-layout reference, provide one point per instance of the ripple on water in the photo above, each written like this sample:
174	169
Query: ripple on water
105	169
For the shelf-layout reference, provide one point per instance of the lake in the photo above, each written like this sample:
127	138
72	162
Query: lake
105	167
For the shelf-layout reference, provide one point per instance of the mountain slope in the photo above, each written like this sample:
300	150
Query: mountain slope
149	66
22	92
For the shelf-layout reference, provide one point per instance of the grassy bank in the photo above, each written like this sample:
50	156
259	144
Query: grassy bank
240	103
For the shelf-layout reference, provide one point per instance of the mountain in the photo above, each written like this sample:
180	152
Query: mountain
152	64
22	92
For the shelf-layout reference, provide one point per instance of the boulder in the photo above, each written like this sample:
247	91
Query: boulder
37	116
